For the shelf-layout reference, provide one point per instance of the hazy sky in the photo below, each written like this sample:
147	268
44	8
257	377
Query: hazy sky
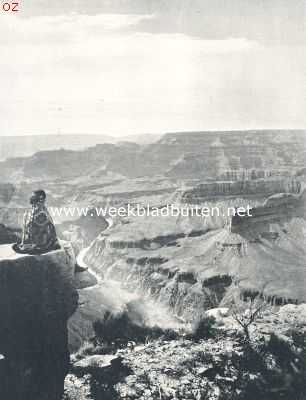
138	66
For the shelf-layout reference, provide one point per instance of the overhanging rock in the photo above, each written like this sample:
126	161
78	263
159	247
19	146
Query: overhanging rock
37	296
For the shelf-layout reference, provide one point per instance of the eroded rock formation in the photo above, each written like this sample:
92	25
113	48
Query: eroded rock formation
37	296
244	188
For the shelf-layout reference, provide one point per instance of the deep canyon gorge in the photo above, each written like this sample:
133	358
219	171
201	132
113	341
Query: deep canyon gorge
167	271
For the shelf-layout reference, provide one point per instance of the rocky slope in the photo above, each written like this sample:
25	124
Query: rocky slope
218	366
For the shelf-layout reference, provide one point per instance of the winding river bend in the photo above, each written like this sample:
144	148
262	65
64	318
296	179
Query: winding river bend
108	295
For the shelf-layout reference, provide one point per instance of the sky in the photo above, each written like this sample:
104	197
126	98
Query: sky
122	67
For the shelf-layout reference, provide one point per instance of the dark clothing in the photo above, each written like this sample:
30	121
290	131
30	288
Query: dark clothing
39	234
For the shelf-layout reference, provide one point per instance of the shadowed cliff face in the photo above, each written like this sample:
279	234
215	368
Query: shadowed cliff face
7	235
37	297
82	231
277	210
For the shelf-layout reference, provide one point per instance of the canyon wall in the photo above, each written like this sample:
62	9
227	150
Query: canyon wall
244	188
201	155
192	273
191	264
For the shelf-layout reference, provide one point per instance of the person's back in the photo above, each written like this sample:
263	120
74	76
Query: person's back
39	234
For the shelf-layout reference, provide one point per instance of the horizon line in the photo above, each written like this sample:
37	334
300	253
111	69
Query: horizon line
157	134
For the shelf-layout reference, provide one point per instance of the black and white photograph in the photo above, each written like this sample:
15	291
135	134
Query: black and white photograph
152	200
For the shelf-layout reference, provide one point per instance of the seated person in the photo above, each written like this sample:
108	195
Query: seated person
39	234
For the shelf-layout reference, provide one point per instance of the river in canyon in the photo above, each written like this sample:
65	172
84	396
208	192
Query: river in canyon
109	295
